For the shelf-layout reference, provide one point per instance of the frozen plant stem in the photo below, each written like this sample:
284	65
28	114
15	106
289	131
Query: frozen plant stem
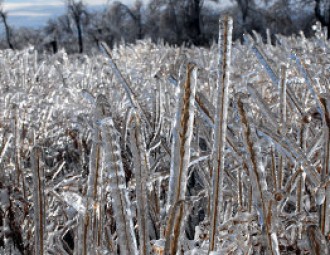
224	51
114	171
93	196
142	169
256	170
38	199
283	128
182	135
325	208
129	92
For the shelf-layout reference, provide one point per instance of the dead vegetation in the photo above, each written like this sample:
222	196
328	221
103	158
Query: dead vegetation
149	149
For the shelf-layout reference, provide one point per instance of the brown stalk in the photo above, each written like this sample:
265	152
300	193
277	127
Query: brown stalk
180	164
220	130
39	200
325	208
254	173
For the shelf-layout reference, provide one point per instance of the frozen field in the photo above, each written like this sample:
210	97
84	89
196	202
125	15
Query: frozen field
163	150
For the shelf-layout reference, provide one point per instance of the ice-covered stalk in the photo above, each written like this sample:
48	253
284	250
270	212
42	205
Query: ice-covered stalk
303	71
262	59
317	241
256	170
240	188
129	92
92	195
142	169
272	75
282	130
5	148
127	87
5	220
273	168
114	171
268	114
224	61
38	200
293	152
303	145
182	135
17	147
93	217
283	107
325	208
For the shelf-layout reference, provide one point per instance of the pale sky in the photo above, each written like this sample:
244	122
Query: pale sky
35	13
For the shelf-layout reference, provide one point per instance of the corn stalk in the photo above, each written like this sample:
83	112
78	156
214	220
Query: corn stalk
225	41
142	171
39	200
114	172
182	135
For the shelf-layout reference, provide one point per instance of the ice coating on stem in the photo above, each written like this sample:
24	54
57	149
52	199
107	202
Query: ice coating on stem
113	170
142	171
220	129
39	200
182	134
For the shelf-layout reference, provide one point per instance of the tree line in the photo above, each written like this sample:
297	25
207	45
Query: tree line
176	22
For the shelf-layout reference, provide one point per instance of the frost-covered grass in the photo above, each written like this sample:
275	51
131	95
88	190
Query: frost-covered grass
131	151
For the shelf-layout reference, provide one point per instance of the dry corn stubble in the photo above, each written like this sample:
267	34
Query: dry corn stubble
81	175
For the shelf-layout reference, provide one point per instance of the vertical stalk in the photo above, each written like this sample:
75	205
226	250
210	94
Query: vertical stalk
301	178
114	172
225	41
325	208
274	177
240	188
39	199
142	169
256	171
182	135
93	218
282	130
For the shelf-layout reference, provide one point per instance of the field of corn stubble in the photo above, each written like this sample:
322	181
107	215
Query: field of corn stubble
151	149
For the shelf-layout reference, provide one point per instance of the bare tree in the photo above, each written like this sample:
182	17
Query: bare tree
192	20
3	16
52	31
243	5
136	11
77	11
126	22
322	13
